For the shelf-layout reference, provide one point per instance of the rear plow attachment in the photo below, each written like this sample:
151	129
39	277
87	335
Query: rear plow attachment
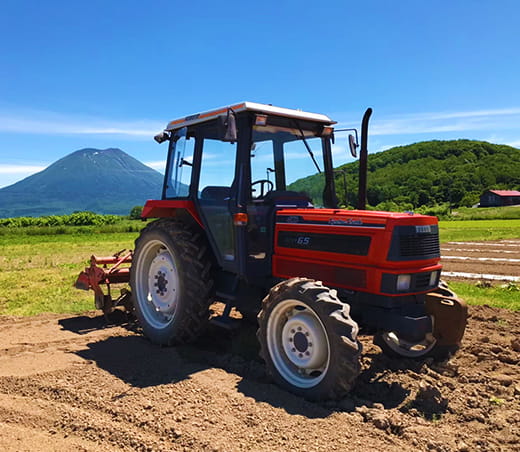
108	270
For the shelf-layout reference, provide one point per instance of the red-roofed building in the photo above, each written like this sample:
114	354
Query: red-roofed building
498	198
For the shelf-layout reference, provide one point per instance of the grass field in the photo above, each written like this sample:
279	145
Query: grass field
502	296
37	271
463	230
487	213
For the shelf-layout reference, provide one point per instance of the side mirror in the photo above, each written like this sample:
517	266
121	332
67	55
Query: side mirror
352	140
162	137
228	126
352	145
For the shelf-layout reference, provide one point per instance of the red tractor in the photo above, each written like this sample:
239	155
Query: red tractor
230	226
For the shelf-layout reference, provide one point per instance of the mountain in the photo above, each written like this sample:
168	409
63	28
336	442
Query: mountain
102	181
428	173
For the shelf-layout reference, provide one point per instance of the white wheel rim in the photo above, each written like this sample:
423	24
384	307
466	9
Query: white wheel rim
298	344
406	348
157	284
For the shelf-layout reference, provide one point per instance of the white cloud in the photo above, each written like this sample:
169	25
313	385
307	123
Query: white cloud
515	144
442	122
157	165
20	169
12	173
469	114
50	123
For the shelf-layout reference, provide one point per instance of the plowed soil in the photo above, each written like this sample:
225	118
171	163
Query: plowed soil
79	383
477	259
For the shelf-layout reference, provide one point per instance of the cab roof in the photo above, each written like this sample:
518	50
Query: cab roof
249	106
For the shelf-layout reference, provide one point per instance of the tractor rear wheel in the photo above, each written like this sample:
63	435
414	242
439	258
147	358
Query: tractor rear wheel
308	340
171	282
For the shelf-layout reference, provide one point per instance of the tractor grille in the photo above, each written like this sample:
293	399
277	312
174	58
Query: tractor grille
423	245
410	244
422	281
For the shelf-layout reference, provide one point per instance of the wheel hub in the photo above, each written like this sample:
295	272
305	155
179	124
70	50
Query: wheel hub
297	343
300	342
304	342
162	283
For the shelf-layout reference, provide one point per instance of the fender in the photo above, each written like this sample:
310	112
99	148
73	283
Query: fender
167	208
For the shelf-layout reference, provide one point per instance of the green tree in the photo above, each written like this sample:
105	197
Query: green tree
135	213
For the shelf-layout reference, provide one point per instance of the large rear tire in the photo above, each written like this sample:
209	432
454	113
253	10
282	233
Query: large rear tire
308	340
171	282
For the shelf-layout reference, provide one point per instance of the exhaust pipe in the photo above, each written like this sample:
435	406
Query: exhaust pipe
363	159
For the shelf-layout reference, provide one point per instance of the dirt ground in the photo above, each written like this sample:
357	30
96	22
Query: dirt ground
77	383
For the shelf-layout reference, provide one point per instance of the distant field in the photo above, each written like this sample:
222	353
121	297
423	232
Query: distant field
454	230
487	213
37	271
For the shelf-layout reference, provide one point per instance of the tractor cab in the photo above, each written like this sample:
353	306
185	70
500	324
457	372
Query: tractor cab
236	166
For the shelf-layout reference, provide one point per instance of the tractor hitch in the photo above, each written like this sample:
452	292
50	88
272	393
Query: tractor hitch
107	270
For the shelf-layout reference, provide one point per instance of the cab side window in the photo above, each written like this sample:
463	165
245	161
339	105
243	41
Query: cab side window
181	162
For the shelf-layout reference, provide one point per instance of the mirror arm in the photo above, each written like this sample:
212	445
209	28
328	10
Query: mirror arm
349	130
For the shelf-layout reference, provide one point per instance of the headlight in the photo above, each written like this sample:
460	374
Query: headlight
403	282
433	278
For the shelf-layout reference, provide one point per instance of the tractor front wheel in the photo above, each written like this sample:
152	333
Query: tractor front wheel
171	282
308	340
391	344
449	315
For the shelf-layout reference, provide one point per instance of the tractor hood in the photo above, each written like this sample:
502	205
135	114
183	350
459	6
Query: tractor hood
362	219
358	249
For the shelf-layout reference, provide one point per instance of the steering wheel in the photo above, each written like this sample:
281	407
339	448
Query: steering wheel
263	184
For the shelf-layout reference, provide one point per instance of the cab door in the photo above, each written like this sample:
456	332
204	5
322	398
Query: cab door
216	201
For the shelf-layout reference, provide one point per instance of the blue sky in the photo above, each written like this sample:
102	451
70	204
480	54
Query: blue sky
112	73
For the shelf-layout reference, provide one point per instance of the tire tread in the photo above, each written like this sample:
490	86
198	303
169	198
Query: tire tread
197	280
342	333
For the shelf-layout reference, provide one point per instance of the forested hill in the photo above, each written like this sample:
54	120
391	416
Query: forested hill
429	173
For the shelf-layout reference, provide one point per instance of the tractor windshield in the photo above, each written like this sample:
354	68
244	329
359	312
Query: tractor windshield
289	159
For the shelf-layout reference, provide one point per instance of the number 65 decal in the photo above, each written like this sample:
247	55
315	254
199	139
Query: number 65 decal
303	241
